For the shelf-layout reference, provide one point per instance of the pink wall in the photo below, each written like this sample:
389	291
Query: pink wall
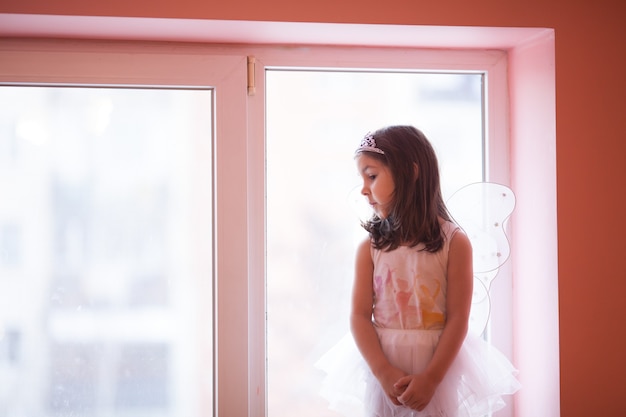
590	149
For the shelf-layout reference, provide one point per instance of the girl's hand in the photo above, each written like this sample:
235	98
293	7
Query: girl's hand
387	380
417	391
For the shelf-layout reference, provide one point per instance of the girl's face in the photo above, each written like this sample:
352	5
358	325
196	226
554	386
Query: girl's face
378	184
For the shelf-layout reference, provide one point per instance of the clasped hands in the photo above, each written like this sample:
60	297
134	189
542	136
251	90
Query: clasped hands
412	391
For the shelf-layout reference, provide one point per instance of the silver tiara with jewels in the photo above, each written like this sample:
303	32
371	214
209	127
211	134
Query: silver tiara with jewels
368	144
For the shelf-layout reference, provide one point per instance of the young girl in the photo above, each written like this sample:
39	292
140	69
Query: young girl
413	289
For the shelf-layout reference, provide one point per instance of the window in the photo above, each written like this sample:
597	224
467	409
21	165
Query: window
111	192
315	119
109	179
238	175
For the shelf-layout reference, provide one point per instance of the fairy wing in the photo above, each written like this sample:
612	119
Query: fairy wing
482	210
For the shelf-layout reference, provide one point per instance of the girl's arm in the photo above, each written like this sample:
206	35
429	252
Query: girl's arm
419	389
361	324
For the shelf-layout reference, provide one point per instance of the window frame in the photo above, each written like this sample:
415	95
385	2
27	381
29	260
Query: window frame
88	63
245	160
491	63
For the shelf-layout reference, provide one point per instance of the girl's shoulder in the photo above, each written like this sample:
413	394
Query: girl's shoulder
365	243
365	254
365	247
448	228
454	236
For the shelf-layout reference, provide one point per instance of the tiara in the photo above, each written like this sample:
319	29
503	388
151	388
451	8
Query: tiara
369	144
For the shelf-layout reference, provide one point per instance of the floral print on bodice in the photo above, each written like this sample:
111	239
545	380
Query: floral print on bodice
410	286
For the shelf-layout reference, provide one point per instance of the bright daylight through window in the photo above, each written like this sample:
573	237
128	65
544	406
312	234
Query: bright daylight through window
315	121
105	243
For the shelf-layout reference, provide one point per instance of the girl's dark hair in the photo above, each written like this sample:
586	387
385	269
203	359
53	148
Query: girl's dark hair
417	204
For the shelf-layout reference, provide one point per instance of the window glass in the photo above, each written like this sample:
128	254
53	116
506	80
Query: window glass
315	121
105	242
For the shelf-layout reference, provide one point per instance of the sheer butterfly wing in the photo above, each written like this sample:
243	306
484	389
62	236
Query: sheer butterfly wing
482	209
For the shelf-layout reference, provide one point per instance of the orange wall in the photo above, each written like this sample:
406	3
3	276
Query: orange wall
591	148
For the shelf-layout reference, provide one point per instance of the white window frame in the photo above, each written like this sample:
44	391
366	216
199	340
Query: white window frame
112	64
240	159
491	63
241	347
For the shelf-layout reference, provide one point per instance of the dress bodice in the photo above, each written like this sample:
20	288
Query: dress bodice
410	285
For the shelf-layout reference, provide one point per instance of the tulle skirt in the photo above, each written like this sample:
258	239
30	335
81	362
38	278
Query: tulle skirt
473	386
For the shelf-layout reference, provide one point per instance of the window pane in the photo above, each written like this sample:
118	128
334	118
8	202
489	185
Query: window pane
105	252
315	121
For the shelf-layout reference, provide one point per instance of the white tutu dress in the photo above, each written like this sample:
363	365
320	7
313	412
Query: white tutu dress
409	316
